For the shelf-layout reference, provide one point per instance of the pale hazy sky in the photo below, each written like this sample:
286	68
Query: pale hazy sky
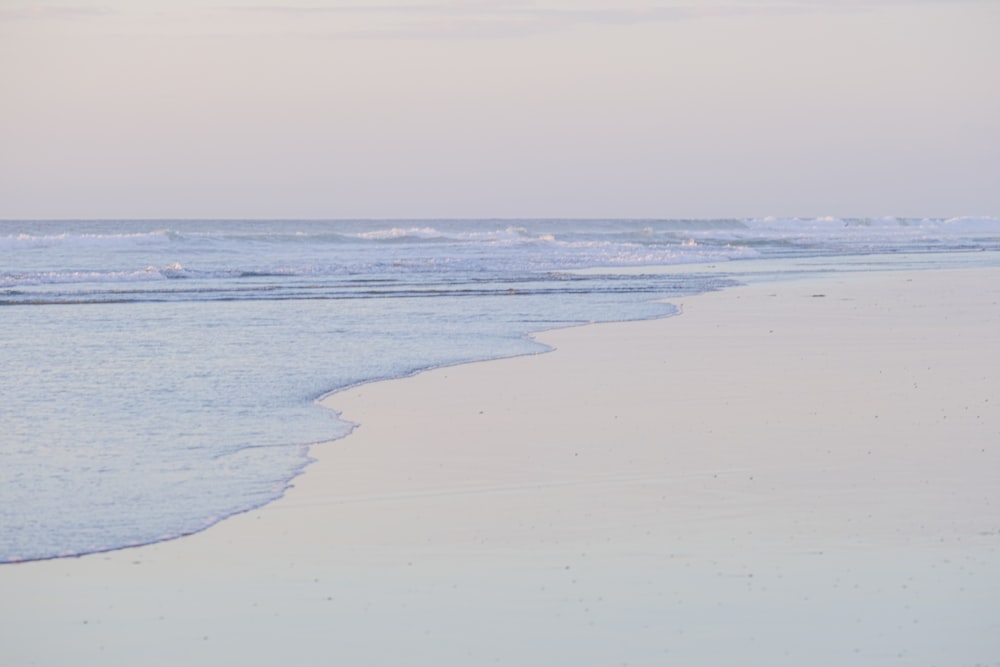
486	108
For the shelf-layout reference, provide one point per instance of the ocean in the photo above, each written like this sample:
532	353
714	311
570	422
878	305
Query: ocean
158	376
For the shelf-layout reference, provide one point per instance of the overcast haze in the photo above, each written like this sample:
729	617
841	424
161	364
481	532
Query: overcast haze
164	109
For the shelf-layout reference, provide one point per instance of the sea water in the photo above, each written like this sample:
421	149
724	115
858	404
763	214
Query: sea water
159	376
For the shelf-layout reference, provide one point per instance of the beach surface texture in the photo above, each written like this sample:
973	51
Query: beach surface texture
791	473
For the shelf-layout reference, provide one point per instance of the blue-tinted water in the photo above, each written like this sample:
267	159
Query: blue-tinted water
158	376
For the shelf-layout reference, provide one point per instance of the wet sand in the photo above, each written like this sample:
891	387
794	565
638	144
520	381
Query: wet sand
786	474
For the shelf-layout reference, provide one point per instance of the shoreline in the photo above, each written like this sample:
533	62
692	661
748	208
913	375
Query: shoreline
771	459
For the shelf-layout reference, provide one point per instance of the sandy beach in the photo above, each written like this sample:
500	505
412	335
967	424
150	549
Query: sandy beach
796	473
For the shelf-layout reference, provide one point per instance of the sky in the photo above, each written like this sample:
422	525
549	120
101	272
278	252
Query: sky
499	109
